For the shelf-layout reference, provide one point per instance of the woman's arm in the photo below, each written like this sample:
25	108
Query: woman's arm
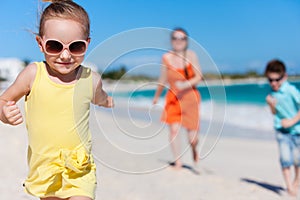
193	58
161	83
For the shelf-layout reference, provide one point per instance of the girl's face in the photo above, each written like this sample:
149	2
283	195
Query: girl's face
63	58
276	80
179	41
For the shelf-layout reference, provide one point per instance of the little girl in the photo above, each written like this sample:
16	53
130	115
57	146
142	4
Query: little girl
58	93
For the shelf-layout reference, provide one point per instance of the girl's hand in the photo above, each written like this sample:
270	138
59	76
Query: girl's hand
12	113
109	102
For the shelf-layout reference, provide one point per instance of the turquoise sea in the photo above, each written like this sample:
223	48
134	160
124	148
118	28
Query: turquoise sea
241	105
246	93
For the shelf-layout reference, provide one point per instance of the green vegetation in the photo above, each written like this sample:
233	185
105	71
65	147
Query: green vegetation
248	74
121	73
26	62
115	74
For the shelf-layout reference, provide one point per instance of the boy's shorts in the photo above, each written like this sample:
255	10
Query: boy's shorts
289	149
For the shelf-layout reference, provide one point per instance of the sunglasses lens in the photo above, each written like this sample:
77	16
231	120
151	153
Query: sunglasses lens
78	47
179	38
53	47
275	79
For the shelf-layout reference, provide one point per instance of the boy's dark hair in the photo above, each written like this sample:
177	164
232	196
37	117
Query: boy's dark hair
276	66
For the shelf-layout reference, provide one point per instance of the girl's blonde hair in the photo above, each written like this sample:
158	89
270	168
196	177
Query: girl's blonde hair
65	9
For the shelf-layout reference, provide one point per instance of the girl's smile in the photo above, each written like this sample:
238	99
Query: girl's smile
63	52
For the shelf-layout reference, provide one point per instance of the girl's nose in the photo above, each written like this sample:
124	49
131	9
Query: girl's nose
65	54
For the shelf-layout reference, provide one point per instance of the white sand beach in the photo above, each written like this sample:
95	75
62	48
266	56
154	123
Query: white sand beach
133	156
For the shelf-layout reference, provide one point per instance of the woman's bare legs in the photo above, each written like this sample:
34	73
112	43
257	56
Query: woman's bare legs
193	140
175	144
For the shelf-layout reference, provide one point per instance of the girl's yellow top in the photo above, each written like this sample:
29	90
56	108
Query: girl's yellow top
59	151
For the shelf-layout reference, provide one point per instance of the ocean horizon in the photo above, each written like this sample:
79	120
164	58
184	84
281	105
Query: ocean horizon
242	105
239	93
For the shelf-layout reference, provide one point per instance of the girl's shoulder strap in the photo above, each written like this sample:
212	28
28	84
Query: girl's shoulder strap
86	72
85	81
39	65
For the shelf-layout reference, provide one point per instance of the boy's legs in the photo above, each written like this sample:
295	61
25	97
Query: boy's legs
286	159
296	142
289	147
287	178
296	182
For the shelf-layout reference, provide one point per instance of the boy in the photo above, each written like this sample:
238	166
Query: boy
284	102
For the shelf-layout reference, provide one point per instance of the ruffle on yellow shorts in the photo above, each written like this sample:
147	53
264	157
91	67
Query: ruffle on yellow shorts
69	173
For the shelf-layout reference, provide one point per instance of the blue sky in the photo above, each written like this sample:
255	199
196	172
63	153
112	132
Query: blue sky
237	35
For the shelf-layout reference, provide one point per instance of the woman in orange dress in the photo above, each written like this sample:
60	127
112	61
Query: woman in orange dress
181	71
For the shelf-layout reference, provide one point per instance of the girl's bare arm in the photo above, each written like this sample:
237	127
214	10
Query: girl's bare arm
9	111
100	96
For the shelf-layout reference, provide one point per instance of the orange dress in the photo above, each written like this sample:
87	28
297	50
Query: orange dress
181	106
